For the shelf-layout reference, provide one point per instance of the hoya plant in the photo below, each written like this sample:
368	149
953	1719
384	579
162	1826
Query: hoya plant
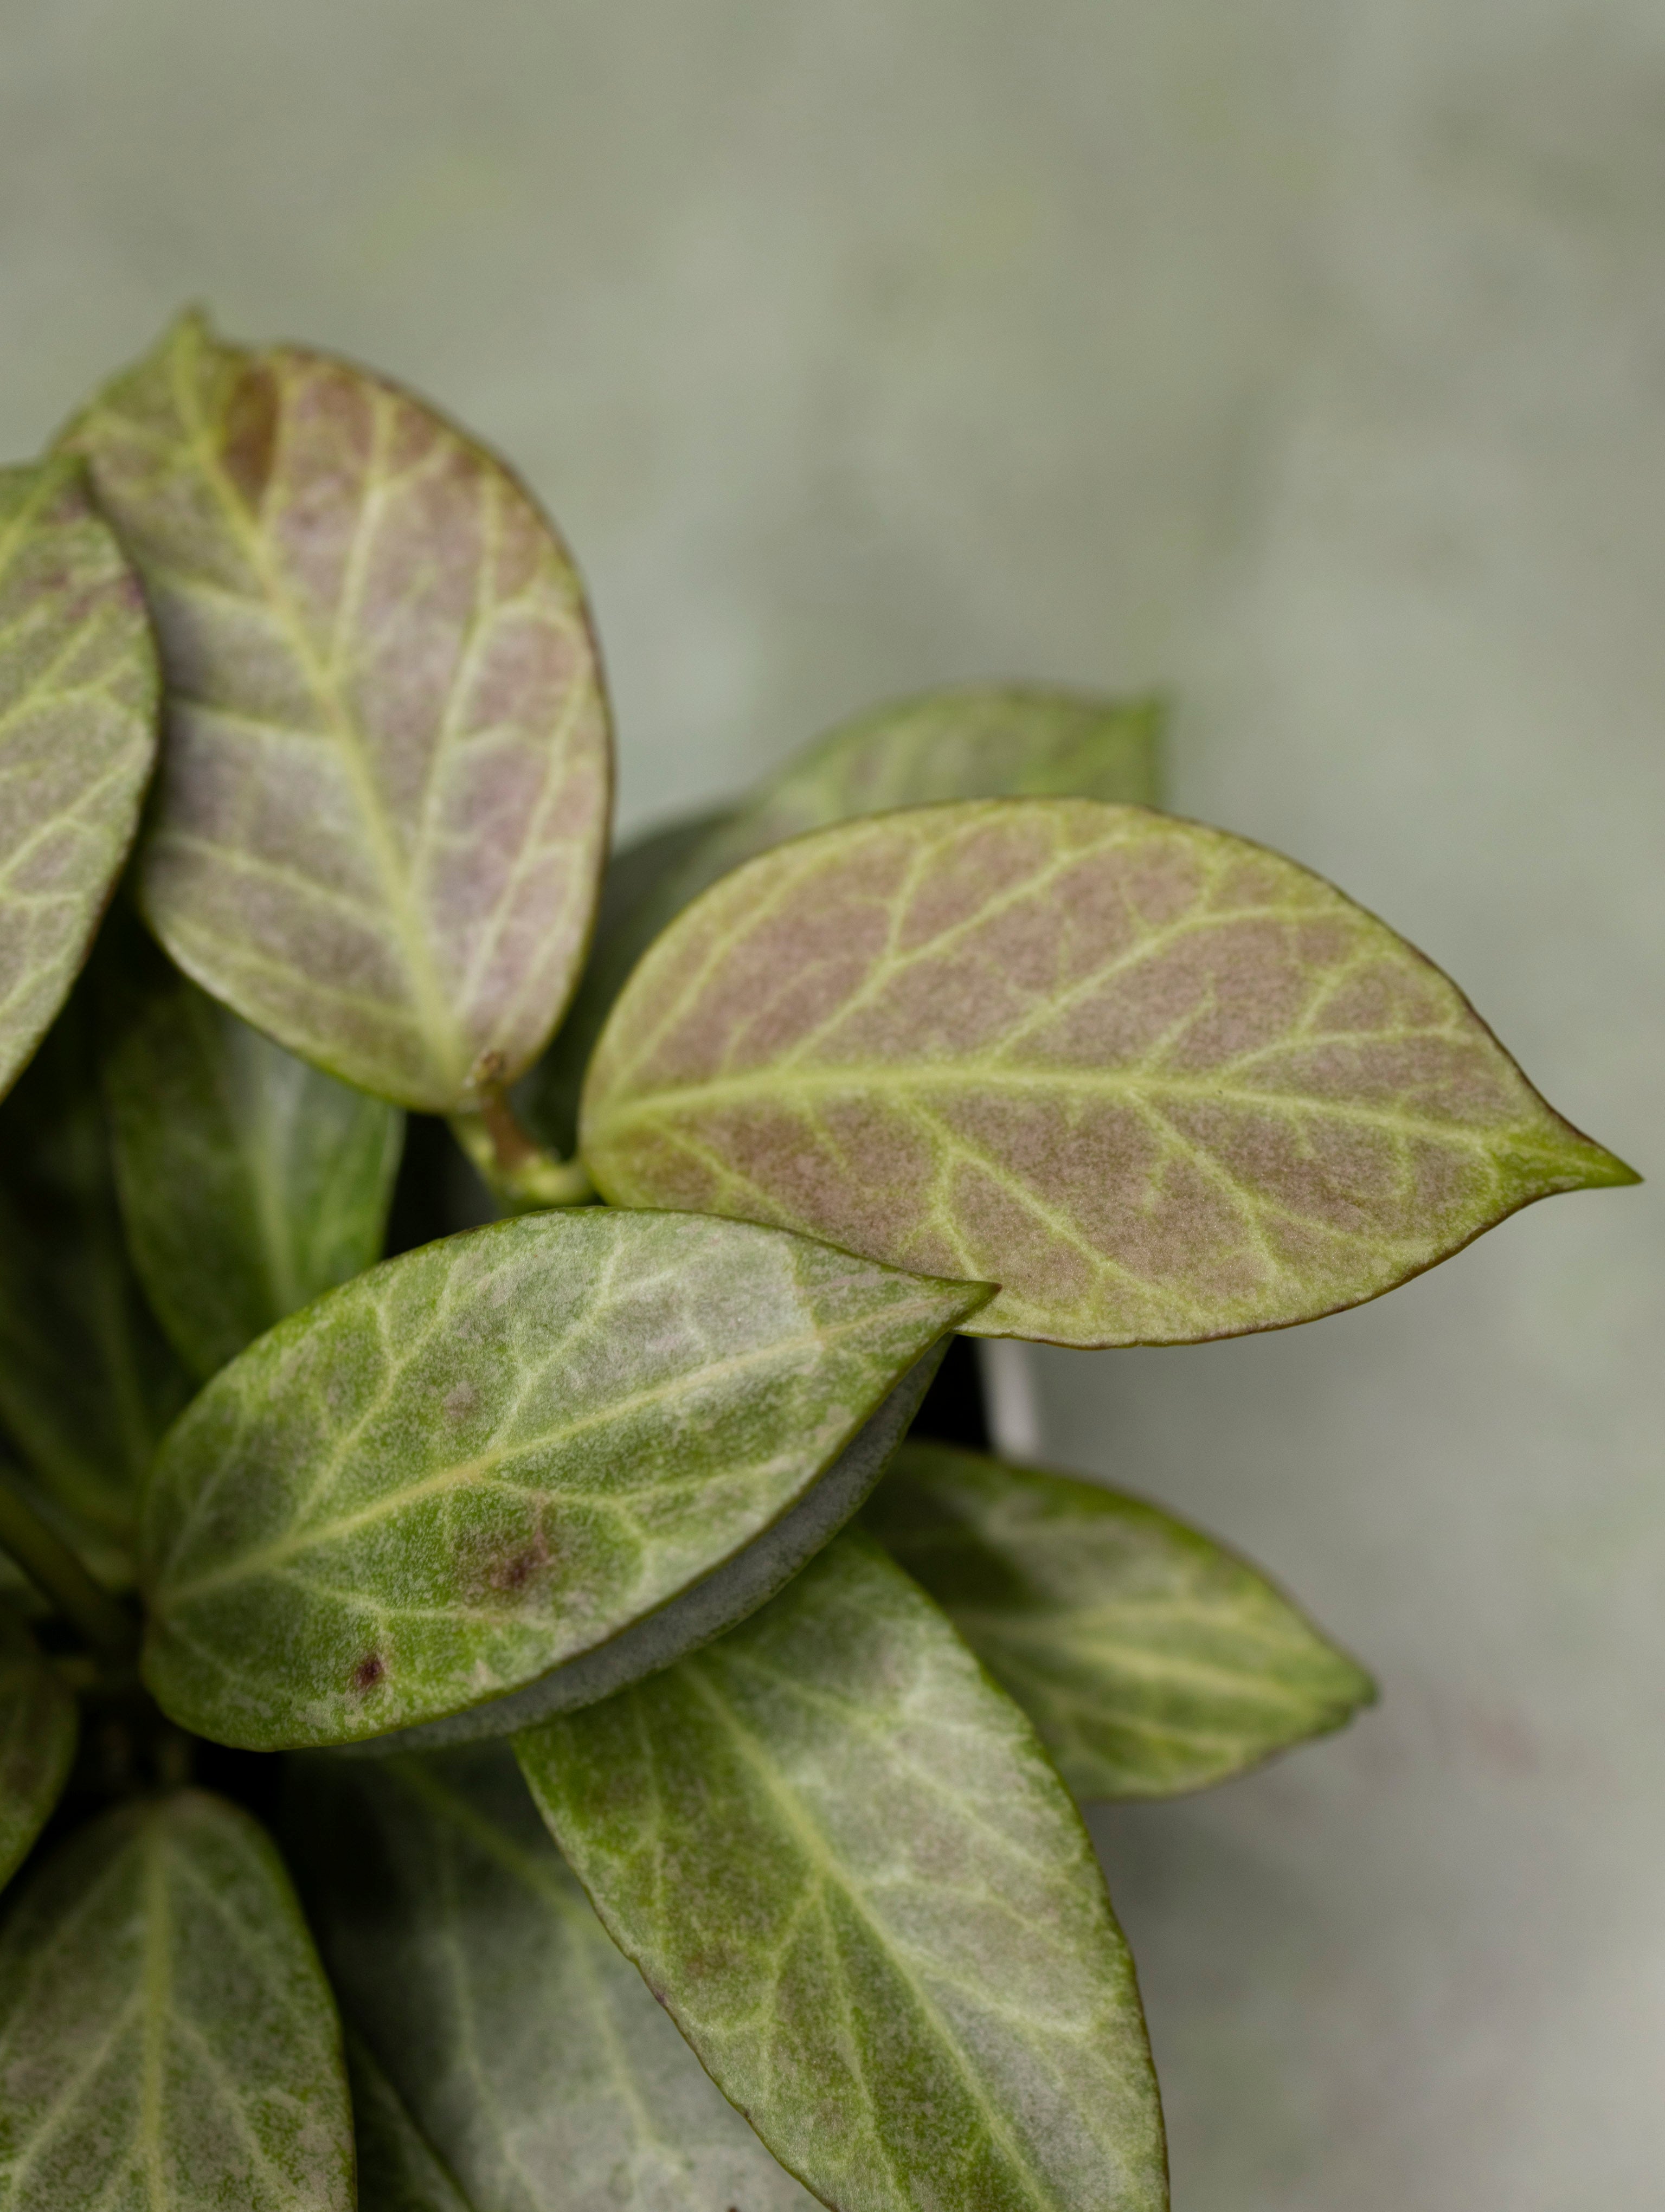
514	1692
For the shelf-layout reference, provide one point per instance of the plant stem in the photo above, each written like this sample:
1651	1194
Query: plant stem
50	1564
516	1169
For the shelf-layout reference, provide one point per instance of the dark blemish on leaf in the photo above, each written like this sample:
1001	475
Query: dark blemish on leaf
495	1572
368	1672
460	1400
515	1573
250	445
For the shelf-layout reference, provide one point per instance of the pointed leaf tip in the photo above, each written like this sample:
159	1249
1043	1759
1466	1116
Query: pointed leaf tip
488	1457
1150	1659
1160	1084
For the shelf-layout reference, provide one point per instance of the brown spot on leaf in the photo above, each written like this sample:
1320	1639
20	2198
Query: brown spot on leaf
250	445
514	1572
368	1672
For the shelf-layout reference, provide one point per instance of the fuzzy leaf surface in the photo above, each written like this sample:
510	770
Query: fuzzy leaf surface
38	1731
87	1381
526	2048
399	2169
482	1457
78	693
628	919
250	1182
847	1870
1159	1084
1150	1659
168	2040
983	741
384	798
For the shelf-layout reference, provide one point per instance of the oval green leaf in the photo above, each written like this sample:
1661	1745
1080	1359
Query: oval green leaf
38	1733
526	2050
250	1182
490	1454
848	1870
78	692
1158	1083
707	1608
1150	1659
399	2169
383	805
87	1381
166	2036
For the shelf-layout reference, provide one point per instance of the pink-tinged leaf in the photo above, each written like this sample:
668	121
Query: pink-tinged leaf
78	690
386	780
1158	1083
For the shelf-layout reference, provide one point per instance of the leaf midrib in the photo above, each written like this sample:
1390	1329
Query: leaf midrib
267	1556
826	1866
909	1076
438	1024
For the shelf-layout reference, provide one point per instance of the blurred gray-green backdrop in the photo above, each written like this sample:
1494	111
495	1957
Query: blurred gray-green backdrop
1309	358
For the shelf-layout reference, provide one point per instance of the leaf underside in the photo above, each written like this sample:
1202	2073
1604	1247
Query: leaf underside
250	1182
37	1729
489	1454
168	2040
78	689
845	1865
1158	1083
87	1381
526	2050
1150	1659
383	806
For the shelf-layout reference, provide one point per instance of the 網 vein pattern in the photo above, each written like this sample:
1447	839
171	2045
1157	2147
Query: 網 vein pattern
168	2040
1156	1082
37	1729
1149	1659
524	2046
484	1457
384	786
843	1862
78	690
985	741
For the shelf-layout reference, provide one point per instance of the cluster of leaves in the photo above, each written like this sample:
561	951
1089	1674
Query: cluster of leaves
625	1645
